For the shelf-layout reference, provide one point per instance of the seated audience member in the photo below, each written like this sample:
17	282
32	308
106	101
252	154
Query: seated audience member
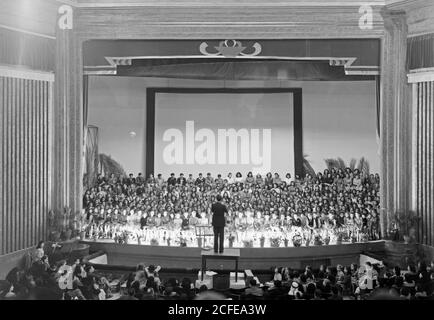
254	289
423	276
40	268
171	289
39	251
294	290
405	293
203	288
152	271
186	292
75	293
7	291
335	293
277	291
277	275
150	291
310	291
98	292
429	287
140	276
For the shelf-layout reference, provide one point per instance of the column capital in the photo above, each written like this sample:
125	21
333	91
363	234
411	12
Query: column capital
394	19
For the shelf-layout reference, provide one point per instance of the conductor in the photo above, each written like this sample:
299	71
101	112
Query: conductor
218	222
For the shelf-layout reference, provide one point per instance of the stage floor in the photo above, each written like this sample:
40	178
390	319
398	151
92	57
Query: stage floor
250	258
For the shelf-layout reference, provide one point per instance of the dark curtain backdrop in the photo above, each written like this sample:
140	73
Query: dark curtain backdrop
420	52
367	51
239	70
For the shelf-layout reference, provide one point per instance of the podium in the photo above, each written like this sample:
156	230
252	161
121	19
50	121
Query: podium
228	254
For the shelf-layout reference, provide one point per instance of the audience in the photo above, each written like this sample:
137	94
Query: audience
254	289
79	281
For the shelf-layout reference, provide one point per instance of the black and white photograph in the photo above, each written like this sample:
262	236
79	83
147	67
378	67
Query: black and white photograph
247	152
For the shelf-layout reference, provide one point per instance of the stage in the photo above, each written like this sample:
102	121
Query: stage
250	258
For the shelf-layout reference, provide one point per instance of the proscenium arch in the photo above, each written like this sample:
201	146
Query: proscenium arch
231	20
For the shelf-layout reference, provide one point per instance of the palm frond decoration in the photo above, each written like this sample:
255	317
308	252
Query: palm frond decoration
307	166
331	163
342	164
339	163
107	166
353	163
363	166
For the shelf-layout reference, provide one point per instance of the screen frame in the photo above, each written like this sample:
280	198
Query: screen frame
297	114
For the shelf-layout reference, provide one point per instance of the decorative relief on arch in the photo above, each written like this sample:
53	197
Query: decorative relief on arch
230	49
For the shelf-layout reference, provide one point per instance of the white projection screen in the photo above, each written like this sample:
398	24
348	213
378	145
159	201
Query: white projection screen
222	132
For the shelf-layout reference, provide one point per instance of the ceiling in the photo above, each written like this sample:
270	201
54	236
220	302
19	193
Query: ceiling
39	16
117	3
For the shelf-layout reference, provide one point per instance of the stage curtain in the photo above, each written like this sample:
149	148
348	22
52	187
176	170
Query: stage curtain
85	113
240	70
85	99
90	141
420	52
91	161
21	49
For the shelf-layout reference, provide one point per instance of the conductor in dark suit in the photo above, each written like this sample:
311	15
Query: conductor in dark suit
218	222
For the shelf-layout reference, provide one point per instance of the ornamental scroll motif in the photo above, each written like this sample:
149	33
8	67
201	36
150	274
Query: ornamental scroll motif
230	48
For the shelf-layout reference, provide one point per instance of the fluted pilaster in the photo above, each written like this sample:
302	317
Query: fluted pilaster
68	120
395	119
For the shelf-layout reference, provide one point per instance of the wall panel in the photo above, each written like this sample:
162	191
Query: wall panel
25	106
424	157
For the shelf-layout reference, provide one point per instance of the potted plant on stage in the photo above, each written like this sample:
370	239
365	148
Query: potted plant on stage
80	225
317	241
248	243
353	239
231	240
307	241
364	237
262	241
286	240
297	240
69	223
339	237
407	224
275	242
327	239
82	233
54	227
182	239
